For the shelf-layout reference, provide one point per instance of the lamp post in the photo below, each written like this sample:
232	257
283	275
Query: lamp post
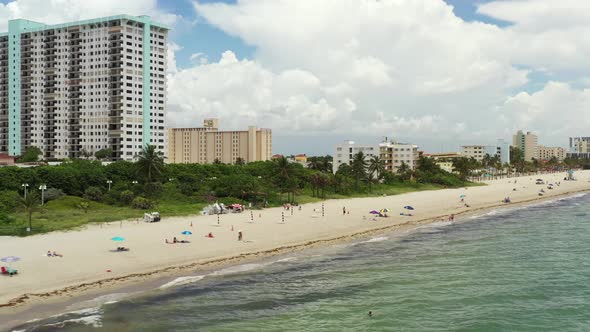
25	185
42	187
109	182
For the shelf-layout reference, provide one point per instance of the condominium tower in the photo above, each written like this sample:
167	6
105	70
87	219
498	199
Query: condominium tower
527	143
207	144
83	86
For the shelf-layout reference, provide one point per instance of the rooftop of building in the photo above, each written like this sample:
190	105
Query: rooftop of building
32	26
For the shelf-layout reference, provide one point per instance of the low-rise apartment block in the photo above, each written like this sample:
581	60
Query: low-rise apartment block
549	152
392	154
208	144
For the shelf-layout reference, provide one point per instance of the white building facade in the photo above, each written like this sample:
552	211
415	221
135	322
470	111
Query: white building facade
392	154
83	86
478	152
344	153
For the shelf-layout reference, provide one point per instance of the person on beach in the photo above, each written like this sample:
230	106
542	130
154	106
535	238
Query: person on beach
175	240
210	235
343	210
55	254
49	254
452	217
240	236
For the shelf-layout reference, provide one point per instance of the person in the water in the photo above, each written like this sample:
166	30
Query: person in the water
370	314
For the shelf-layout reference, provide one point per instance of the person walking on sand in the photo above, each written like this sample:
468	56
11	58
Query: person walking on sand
344	210
240	235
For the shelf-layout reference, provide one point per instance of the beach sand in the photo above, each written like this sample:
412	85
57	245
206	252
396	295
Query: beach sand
89	261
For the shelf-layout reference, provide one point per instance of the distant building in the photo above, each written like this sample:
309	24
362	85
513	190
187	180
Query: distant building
345	152
445	165
6	159
444	155
527	143
579	147
548	152
503	150
392	154
478	152
207	144
301	158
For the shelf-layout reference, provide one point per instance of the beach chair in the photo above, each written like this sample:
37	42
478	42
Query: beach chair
9	271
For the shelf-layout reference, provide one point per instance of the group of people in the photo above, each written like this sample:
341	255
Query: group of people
53	254
507	200
175	240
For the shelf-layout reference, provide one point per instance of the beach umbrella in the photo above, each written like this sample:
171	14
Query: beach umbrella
118	239
10	259
385	210
407	207
374	212
187	233
462	196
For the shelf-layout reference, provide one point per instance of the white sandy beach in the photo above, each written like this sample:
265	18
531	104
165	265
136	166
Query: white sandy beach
89	256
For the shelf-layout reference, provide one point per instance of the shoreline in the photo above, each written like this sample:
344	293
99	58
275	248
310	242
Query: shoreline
19	305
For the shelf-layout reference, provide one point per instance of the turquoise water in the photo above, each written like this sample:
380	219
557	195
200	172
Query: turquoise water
522	269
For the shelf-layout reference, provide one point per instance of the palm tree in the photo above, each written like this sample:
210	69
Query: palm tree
150	163
359	166
284	171
376	168
404	171
29	205
240	161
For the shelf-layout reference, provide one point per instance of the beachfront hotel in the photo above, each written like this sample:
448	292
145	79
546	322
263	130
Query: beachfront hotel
392	154
83	86
207	144
527	143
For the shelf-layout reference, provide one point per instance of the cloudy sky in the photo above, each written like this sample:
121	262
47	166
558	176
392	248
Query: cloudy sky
438	73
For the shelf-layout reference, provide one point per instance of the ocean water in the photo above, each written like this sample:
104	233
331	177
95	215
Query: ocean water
520	269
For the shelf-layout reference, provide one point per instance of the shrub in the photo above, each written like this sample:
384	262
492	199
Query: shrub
6	219
9	201
142	203
53	193
93	194
126	197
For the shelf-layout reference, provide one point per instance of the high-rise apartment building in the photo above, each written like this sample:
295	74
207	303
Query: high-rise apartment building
83	86
207	144
527	143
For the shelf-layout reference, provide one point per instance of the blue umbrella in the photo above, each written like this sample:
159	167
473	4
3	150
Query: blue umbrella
187	233
10	259
118	239
407	207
